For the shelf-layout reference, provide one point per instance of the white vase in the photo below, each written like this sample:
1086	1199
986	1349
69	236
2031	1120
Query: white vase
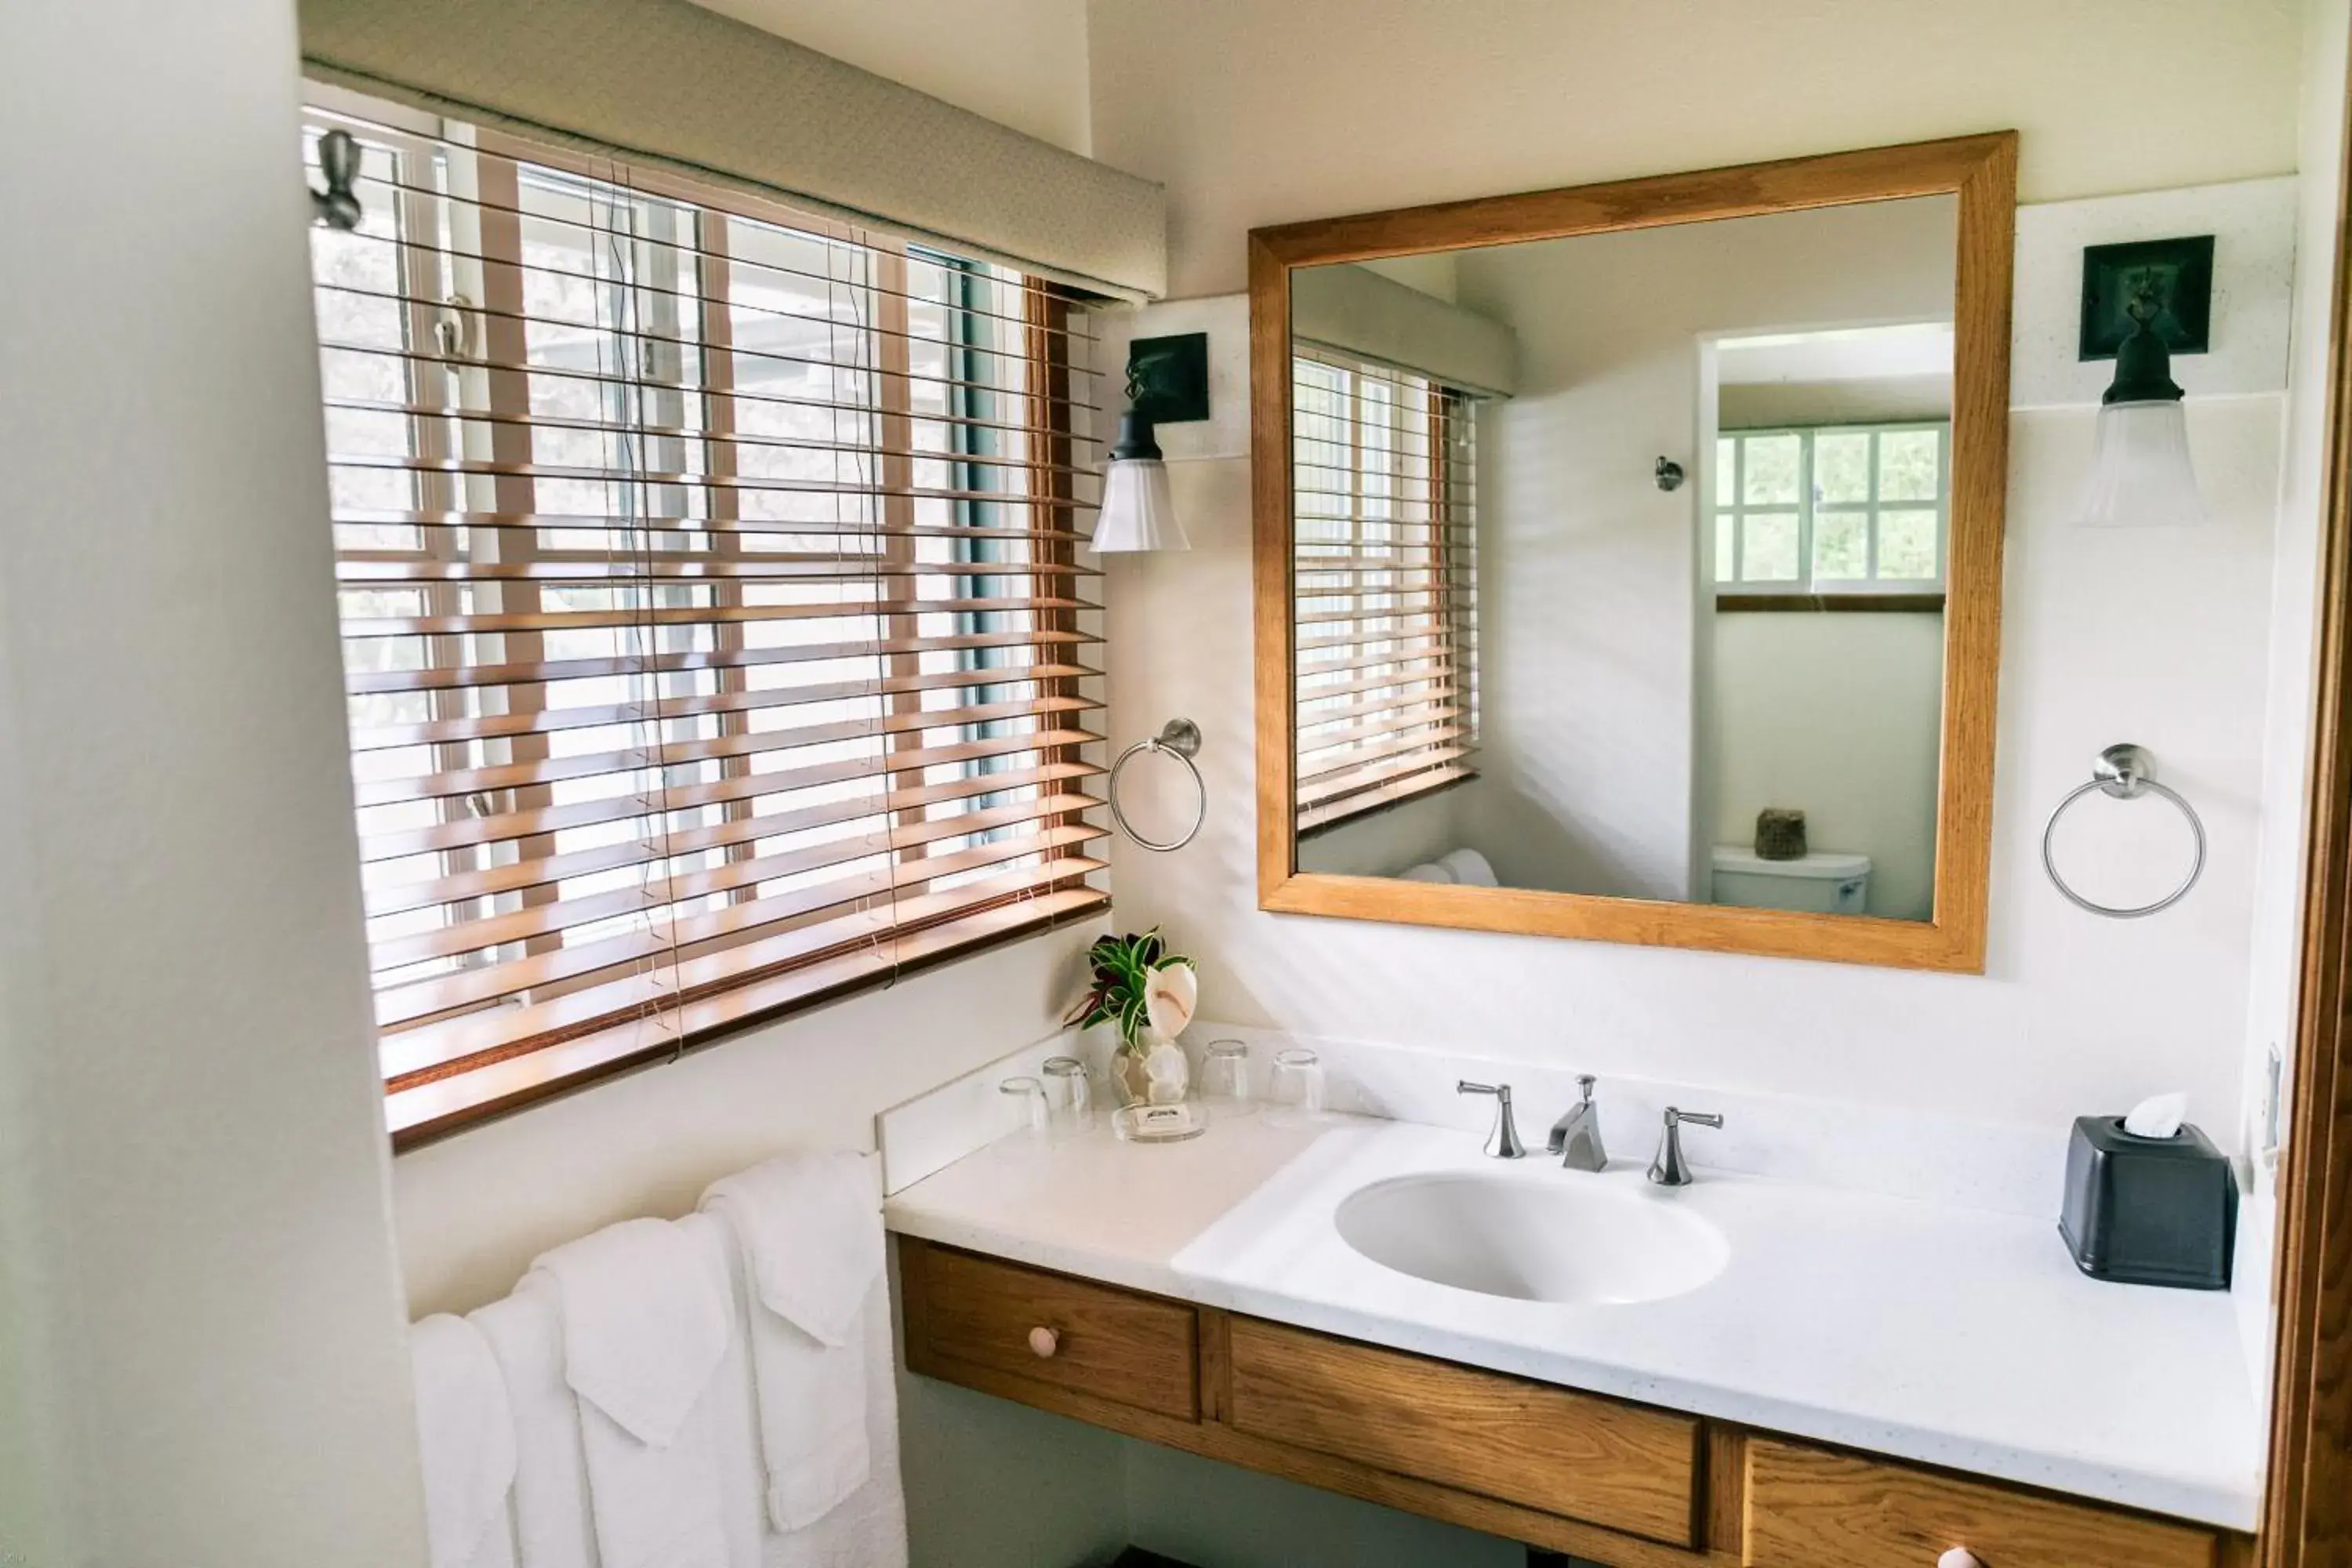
1154	1071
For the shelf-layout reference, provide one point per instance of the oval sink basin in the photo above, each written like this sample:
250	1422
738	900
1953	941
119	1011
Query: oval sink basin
1574	1241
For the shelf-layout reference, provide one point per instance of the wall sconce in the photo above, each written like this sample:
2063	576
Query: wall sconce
1167	383
2141	304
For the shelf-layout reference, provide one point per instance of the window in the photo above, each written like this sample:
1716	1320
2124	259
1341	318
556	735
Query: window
713	635
1833	509
1384	572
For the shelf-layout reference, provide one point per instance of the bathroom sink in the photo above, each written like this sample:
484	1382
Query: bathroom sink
1573	1240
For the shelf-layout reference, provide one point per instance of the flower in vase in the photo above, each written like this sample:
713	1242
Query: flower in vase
1136	983
1171	995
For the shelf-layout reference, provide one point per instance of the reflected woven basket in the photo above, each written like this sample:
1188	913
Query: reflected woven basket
1780	834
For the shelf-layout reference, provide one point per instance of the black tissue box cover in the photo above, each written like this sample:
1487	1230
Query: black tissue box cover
2149	1211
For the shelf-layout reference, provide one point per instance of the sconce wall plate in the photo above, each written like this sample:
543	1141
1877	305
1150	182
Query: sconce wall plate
2179	271
1167	378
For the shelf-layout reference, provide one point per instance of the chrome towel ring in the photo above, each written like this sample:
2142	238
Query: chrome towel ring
2123	773
1181	739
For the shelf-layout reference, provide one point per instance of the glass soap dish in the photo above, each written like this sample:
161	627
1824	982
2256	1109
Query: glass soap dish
1160	1124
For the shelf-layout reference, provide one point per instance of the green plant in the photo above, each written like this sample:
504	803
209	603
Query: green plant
1135	981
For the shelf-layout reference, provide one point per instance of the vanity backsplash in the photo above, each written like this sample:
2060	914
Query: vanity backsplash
2003	1167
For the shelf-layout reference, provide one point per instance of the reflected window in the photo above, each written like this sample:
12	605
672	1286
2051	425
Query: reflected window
1833	509
1384	574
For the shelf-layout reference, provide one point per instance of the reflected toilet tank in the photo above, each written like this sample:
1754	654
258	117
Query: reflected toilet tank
1824	881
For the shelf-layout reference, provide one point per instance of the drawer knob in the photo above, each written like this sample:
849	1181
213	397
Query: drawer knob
1044	1342
1958	1557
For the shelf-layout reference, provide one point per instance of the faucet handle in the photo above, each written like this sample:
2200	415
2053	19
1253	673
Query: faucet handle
1503	1142
1669	1169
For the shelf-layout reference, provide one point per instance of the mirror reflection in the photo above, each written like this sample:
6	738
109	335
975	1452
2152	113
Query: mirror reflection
1619	561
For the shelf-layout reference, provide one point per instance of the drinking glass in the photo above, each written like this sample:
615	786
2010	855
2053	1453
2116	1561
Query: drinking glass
1031	1116
1069	1097
1225	1079
1298	1086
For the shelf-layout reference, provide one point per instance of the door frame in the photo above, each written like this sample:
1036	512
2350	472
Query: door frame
2307	1504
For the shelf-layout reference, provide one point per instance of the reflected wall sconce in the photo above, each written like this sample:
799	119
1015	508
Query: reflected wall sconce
1167	383
2142	303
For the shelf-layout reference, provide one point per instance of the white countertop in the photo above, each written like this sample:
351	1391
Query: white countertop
1951	1336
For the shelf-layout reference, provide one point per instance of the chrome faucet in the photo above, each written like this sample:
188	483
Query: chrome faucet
1503	1142
1576	1137
1668	1170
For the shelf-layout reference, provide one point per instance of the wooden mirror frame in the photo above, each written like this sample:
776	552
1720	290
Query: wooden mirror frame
1981	171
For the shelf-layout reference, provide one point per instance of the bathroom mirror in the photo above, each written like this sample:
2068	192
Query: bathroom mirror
1628	557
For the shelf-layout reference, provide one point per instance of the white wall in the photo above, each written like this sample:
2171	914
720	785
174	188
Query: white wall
1022	63
186	1064
475	1209
1860	402
1838	715
1256	113
1588	574
1386	842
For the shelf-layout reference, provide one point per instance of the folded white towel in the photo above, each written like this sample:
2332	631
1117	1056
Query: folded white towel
525	1333
1468	868
646	1325
813	1229
809	1231
644	1322
868	1530
465	1440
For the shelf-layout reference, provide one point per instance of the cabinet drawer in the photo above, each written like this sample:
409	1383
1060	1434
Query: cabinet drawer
968	1311
1574	1455
1809	1508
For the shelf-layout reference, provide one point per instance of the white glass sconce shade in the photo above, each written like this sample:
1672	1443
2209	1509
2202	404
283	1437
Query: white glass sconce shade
1138	511
2140	475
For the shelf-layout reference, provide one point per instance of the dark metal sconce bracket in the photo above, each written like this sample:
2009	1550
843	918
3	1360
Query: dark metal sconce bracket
2176	275
1167	378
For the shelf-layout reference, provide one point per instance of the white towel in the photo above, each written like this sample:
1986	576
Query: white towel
525	1333
1469	867
646	1326
466	1439
866	1531
808	1228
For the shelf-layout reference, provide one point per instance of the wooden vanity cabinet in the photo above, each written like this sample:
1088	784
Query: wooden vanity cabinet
1606	1480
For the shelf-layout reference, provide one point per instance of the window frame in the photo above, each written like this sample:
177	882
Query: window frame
1808	508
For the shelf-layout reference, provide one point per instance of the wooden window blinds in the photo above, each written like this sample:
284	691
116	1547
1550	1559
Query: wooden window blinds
714	635
1384	572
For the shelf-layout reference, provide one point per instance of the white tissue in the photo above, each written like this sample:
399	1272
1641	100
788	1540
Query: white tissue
2158	1116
